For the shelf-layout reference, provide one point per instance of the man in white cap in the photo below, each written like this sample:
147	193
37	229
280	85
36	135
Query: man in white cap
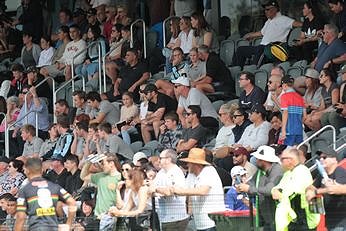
191	96
139	158
268	175
204	188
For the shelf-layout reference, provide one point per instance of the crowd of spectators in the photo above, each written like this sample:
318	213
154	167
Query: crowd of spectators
150	152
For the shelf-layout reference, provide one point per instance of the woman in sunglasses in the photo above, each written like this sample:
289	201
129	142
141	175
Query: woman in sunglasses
123	189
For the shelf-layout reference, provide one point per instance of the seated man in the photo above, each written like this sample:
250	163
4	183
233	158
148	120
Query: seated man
102	110
272	102
195	135
63	145
131	76
170	132
80	103
218	76
276	29
191	96
109	143
159	105
332	49
32	143
251	94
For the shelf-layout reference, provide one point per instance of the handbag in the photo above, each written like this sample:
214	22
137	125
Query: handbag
276	51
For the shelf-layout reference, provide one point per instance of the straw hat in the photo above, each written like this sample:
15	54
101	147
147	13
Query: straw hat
196	156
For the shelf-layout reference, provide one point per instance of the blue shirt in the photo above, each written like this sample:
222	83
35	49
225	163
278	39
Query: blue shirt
233	200
327	52
42	115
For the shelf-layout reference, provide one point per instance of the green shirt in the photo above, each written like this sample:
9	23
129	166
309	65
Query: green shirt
106	191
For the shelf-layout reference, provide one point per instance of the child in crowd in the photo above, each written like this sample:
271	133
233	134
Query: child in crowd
234	200
128	111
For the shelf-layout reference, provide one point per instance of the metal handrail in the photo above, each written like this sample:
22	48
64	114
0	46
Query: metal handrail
39	84
104	67
64	85
164	29
81	52
144	36
7	151
319	132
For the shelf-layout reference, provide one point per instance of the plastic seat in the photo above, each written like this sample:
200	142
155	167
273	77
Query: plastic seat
256	41
242	42
250	68
238	90
294	71
151	41
227	49
261	79
267	67
217	104
293	35
285	65
235	70
301	63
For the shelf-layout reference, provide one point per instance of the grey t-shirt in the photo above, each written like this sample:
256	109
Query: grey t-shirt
197	71
115	144
195	97
32	147
112	113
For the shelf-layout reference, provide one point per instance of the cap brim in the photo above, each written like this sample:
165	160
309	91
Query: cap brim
195	161
273	159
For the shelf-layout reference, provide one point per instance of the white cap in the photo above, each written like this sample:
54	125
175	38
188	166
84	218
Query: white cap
266	153
238	170
138	156
182	80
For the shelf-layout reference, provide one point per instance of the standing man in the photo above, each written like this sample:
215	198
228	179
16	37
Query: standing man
38	200
293	112
292	210
170	175
204	188
268	175
106	182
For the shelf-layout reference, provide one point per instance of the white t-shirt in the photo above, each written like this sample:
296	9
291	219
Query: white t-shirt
173	177
213	202
195	97
186	41
276	29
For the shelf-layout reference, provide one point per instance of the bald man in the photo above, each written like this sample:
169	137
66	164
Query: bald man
274	87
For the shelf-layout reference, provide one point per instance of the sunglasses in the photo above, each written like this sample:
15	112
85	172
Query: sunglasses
235	116
187	113
125	169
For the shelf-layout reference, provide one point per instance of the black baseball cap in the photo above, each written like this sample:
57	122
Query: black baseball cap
31	69
330	152
287	79
149	88
270	3
92	11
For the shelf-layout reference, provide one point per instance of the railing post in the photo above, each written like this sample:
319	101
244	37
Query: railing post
164	29
318	132
104	66
144	36
99	64
6	135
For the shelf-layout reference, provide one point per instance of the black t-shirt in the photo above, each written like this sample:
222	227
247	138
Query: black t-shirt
57	179
256	96
129	75
311	28
217	70
335	205
163	101
197	133
73	182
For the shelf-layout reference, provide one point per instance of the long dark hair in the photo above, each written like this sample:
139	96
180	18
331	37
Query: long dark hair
202	24
315	84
